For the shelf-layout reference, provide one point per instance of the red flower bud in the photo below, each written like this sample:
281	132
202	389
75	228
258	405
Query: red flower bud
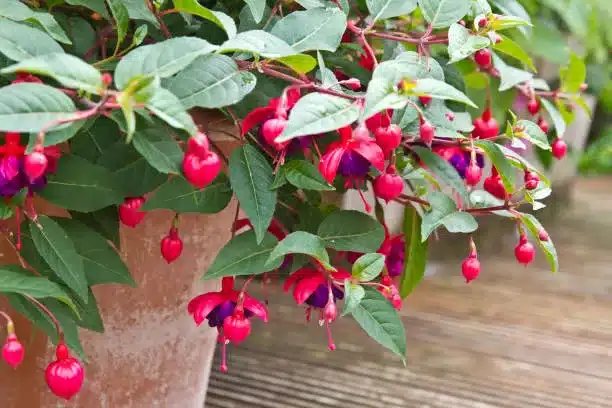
171	246
128	211
13	351
65	375
201	171
236	328
35	164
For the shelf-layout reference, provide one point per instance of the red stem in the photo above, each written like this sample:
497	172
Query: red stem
60	334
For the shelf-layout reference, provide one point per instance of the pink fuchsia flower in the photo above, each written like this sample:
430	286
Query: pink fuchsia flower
316	288
227	310
390	291
275	107
352	156
393	247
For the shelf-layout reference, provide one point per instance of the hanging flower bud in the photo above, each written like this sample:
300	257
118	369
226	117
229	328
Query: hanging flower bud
171	246
129	213
13	351
65	375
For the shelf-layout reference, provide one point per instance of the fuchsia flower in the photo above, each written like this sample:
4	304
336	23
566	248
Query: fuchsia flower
352	156
393	247
316	288
275	108
227	310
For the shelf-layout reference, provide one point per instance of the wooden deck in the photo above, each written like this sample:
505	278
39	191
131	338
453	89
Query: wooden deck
515	338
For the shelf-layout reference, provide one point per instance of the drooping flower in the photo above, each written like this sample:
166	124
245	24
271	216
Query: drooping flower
458	158
393	247
217	307
352	156
316	289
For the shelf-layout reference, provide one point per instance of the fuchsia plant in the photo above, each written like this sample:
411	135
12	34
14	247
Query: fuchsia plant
400	97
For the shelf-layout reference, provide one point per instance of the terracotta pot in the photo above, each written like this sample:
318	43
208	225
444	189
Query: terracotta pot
152	354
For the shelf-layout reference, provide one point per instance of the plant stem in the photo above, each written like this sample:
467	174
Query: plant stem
60	333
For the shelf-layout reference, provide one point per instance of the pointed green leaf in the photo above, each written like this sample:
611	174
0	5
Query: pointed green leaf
442	169
177	194
510	76
242	255
17	11
353	293
416	253
104	221
122	18
509	47
314	29
319	113
303	174
501	163
257	7
443	13
159	149
82	186
58	250
348	230
462	44
221	19
443	212
65	69
163	59
258	42
533	133
440	90
20	41
573	75
382	94
29	107
368	266
14	279
556	117
506	22
382	9
166	106
301	242
211	81
381	321
101	262
89	314
251	178
300	63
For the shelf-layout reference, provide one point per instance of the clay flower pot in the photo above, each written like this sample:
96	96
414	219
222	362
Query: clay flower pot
151	354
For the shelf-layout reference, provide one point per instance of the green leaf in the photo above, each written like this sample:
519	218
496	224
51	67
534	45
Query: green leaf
58	250
348	230
20	42
98	6
29	107
66	69
534	226
443	211
56	136
177	194
368	266
514	8
462	44
68	323
138	10
14	279
510	76
441	168
163	59
520	163
319	113
353	293
91	141
573	75
102	264
506	22
416	252
159	149
221	19
90	317
122	19
211	81
303	174
382	9
314	29
6	211
300	63
258	42
81	186
242	255
166	106
533	133
501	163
509	47
556	117
257	7
381	321
443	13
104	221
411	65
440	90
17	11
139	35
382	94
301	242
251	178
131	172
